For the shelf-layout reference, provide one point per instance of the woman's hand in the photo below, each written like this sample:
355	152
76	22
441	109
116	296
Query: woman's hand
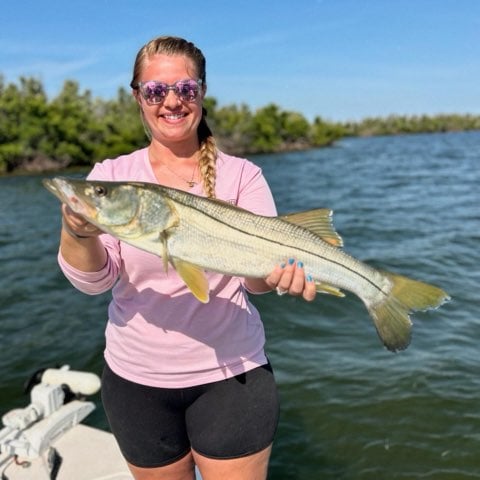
290	278
76	226
79	243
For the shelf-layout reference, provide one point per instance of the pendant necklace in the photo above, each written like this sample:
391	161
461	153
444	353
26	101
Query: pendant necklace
191	183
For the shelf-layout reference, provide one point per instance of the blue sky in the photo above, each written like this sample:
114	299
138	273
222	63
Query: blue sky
338	59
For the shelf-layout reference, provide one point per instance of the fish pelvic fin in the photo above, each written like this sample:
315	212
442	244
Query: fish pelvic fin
318	221
195	279
391	317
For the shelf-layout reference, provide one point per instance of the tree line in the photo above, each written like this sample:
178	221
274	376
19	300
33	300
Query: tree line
74	129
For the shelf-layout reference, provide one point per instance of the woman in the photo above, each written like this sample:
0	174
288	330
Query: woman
185	383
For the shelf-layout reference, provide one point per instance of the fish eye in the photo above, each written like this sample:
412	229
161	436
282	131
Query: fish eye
100	190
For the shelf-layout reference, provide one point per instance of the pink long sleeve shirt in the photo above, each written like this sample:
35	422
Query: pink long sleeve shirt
158	333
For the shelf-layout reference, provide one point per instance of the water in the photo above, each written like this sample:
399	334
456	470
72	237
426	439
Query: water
350	409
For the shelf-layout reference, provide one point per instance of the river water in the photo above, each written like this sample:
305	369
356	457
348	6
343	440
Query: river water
351	410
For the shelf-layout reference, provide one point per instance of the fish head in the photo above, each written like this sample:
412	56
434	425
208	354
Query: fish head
108	205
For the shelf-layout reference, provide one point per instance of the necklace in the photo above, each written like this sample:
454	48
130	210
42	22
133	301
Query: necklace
191	183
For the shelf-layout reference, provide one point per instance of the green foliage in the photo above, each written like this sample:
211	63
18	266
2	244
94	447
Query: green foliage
398	124
295	128
265	129
9	155
22	121
119	126
324	133
231	125
74	129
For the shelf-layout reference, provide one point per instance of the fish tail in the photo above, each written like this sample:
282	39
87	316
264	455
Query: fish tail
391	316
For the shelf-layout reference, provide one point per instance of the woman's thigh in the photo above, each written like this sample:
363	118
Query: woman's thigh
232	422
148	423
235	417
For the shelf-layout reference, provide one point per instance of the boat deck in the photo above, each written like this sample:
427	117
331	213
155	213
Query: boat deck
84	453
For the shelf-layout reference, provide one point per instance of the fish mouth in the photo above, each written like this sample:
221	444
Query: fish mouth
66	193
57	186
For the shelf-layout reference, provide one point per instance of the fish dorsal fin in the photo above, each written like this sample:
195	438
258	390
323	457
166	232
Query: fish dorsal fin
194	277
328	289
318	221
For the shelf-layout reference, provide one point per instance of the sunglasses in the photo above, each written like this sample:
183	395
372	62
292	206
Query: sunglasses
155	92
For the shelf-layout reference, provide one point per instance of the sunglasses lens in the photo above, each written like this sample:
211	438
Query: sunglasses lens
187	90
154	92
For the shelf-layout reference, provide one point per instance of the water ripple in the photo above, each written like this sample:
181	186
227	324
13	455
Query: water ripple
350	409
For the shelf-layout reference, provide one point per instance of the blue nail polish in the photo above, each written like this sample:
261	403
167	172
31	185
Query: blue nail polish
300	264
291	261
309	278
282	265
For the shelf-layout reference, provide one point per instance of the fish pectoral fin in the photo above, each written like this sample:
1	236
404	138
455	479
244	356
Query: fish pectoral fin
195	279
328	289
318	221
174	220
163	239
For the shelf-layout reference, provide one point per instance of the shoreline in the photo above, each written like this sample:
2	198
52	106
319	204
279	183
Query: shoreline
43	165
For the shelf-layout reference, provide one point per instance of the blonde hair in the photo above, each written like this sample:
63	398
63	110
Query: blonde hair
178	46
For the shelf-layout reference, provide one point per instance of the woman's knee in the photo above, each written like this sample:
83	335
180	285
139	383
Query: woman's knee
249	467
183	469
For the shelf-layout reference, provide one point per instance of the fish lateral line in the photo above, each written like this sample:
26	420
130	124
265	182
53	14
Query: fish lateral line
283	245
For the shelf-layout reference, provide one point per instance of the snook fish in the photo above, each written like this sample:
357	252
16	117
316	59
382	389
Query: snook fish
194	234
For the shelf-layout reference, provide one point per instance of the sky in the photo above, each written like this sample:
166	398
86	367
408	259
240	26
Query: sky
341	60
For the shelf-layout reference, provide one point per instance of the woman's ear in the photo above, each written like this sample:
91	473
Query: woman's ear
137	98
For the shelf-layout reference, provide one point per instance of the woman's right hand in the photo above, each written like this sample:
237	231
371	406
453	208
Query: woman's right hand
76	225
79	243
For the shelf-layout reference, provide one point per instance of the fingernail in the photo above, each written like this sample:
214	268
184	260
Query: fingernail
309	278
282	265
291	261
300	264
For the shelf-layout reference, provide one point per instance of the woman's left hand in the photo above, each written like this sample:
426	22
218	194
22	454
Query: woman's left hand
290	278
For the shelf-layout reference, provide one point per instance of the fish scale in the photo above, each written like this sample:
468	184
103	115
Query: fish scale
279	240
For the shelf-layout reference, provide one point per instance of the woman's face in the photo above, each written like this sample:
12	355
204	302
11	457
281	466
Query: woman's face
174	120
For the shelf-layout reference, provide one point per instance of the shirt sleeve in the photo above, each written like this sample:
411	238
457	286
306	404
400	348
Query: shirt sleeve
92	283
254	193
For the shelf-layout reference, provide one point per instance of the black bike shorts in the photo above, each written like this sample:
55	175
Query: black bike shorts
230	418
